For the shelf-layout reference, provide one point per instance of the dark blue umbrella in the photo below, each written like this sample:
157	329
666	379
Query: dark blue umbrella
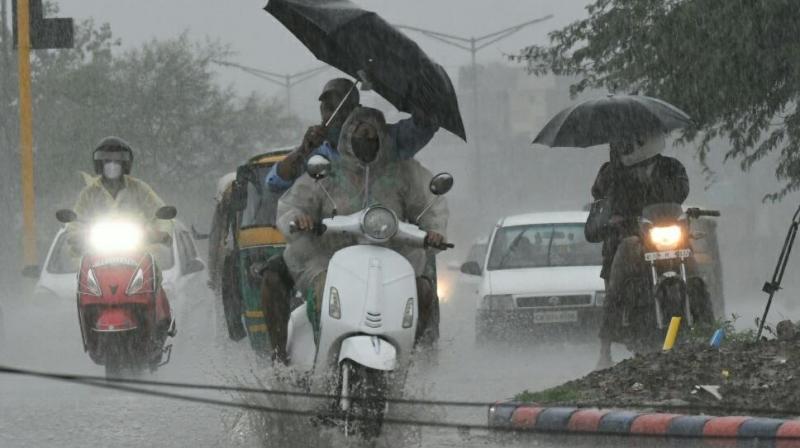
615	117
362	44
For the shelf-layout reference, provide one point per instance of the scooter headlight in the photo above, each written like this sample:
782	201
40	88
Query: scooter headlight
666	237
90	286
115	237
334	304
408	314
379	223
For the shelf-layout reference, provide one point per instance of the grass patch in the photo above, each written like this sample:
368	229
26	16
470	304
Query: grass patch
558	394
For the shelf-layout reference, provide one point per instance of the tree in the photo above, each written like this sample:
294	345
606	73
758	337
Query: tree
733	65
187	130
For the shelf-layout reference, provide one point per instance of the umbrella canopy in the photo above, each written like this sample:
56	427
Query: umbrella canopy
616	117
353	40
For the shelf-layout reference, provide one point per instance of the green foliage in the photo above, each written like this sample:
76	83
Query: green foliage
733	65
186	128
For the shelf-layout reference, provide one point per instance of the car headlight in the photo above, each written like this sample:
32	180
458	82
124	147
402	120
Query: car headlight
666	237
379	223
408	314
115	237
334	304
600	298
499	302
90	286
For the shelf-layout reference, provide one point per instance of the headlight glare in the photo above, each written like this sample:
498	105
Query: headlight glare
115	237
379	223
666	237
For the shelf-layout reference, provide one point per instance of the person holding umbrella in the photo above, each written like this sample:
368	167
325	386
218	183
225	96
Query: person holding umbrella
338	99
636	176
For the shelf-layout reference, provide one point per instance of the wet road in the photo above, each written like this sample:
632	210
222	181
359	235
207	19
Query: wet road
35	412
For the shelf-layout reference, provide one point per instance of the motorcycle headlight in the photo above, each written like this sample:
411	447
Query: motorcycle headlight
408	314
91	286
379	223
499	302
115	237
334	304
666	237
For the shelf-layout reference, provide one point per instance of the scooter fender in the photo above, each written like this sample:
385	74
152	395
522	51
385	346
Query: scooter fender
369	351
115	320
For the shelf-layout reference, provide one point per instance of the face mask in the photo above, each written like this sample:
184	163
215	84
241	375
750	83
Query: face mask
112	170
366	149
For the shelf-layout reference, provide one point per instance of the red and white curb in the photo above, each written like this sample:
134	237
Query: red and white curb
529	417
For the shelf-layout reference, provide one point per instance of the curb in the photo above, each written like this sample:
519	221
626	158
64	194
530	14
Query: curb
569	420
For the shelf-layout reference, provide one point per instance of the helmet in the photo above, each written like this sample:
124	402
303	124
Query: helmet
113	148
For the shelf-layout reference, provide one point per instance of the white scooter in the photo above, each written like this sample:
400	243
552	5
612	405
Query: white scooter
368	314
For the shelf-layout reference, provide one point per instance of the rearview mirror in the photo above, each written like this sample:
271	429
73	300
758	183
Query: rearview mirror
167	212
66	216
318	167
32	271
441	184
471	268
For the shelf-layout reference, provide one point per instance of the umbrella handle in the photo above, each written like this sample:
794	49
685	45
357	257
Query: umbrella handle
341	103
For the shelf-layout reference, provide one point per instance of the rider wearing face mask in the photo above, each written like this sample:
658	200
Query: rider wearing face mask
115	190
366	174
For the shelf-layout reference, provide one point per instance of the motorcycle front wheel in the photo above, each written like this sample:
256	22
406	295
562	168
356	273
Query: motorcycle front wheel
368	388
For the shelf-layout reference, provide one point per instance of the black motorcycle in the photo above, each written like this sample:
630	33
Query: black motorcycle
667	283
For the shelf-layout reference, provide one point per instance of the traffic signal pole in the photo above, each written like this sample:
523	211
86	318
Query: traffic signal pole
26	134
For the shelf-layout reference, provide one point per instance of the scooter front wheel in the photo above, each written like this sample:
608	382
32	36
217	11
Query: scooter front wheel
367	392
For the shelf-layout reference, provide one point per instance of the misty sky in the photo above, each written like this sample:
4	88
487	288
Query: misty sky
262	42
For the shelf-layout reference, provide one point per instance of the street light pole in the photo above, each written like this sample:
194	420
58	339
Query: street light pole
473	45
284	80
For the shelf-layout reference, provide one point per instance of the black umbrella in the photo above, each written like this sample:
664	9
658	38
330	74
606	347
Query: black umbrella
616	117
360	42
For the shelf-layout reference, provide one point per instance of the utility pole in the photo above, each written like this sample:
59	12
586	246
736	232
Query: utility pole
287	81
473	45
32	30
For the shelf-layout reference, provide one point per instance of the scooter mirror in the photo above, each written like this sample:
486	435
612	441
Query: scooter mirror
441	184
66	216
318	167
167	212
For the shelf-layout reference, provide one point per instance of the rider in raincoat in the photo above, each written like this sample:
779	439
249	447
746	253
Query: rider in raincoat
366	159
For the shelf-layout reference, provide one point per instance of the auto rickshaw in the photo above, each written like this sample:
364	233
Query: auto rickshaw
255	239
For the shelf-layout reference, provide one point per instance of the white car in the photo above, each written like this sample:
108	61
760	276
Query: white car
180	267
539	276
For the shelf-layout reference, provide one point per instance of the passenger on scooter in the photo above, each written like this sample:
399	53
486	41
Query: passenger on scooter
398	185
636	176
406	138
115	190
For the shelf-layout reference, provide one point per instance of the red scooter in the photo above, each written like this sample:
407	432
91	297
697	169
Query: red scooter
124	314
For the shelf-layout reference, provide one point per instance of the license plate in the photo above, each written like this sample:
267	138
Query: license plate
668	255
552	317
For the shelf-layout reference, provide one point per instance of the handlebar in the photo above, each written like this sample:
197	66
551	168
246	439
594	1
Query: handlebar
696	213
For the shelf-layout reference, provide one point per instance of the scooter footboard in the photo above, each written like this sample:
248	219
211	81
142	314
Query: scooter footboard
369	351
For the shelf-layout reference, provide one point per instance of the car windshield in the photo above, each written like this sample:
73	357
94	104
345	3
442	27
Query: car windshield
66	261
542	245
